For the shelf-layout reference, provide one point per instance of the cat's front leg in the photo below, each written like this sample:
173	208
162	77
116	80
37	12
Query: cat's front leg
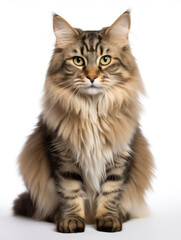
70	188
109	217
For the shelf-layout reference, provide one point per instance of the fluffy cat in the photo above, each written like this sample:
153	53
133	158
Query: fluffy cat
87	160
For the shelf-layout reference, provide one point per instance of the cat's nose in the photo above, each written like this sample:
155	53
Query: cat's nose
91	77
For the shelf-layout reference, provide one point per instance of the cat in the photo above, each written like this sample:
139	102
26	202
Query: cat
87	160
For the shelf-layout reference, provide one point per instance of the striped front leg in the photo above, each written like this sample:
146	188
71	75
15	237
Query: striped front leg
71	192
109	218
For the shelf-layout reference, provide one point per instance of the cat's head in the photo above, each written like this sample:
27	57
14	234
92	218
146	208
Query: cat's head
92	65
92	62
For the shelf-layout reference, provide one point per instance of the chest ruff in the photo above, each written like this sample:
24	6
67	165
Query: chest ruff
94	142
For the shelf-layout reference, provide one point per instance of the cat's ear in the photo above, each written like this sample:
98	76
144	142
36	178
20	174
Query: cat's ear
118	32
64	32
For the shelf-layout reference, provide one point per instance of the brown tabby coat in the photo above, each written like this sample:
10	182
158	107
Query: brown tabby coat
87	160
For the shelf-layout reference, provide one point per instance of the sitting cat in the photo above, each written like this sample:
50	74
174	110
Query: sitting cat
87	160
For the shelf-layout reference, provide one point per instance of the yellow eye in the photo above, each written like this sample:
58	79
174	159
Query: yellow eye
78	61
105	60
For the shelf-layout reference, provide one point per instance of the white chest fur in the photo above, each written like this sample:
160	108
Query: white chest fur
94	154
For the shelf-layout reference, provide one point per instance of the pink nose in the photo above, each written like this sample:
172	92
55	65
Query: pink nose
91	77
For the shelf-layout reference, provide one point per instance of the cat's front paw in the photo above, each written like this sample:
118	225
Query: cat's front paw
109	224
71	225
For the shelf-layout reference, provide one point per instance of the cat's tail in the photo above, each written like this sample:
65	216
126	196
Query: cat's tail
23	205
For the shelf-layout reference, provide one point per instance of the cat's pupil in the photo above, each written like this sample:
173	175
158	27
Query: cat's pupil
78	59
105	59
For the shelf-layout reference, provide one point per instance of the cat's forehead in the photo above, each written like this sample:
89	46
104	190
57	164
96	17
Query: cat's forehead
91	40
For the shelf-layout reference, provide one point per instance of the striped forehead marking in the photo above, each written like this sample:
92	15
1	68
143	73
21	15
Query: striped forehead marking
91	40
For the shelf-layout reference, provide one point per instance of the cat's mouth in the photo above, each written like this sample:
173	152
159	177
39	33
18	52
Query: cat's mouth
93	86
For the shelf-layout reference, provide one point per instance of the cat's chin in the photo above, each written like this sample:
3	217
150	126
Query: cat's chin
92	90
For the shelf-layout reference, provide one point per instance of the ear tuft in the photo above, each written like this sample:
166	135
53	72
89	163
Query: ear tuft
54	14
64	32
127	11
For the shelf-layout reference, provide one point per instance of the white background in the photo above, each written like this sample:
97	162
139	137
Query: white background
26	44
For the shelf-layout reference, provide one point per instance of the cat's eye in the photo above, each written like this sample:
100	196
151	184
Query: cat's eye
78	61
105	60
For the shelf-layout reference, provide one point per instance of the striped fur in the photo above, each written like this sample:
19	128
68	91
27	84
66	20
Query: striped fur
87	160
